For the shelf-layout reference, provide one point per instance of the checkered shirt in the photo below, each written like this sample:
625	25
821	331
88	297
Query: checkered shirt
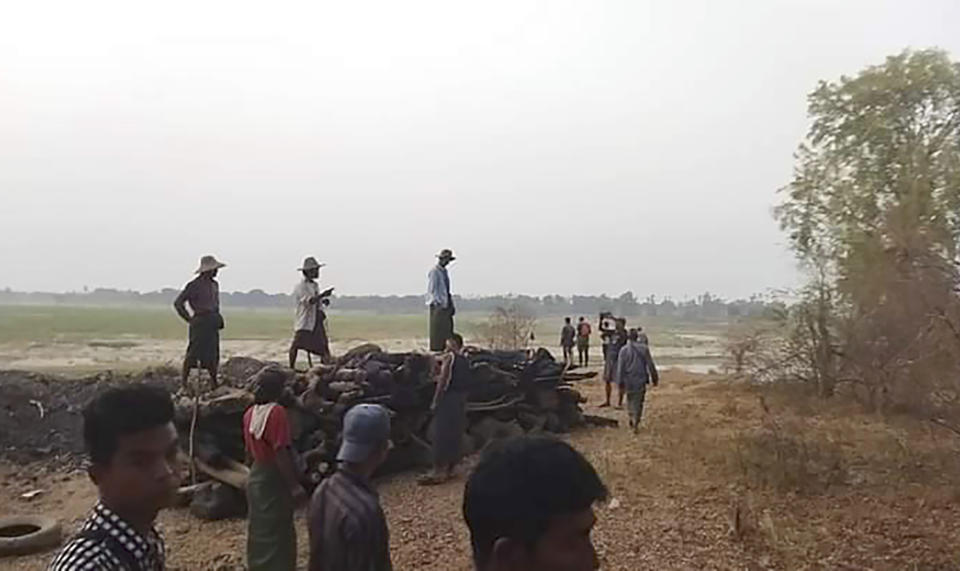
124	546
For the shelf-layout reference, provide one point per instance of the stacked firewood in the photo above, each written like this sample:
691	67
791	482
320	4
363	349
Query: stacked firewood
511	393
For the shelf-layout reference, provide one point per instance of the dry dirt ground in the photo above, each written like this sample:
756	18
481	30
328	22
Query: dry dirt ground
718	479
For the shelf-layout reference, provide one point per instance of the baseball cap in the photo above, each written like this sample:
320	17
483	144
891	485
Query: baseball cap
366	427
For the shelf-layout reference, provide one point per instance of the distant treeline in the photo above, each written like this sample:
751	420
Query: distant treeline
704	306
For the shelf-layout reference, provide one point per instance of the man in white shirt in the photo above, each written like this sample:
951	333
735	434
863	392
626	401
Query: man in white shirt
309	328
440	301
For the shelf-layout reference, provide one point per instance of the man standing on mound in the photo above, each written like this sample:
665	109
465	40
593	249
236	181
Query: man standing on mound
203	295
440	301
310	333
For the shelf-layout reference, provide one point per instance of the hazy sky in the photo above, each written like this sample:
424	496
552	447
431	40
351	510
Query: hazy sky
557	147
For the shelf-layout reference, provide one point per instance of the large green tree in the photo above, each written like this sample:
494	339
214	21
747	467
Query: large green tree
874	210
880	167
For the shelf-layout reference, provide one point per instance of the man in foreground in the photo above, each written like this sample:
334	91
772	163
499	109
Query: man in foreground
348	529
529	507
440	301
635	368
273	488
310	332
567	337
583	341
132	444
203	295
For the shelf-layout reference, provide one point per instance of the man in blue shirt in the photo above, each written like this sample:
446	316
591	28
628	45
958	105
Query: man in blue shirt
635	368
440	301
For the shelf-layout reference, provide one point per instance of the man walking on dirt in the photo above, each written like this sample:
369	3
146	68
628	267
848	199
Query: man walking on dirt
310	333
440	301
583	341
203	295
616	340
635	368
567	337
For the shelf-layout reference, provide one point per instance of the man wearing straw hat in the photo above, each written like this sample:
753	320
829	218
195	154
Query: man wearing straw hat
203	295
309	325
440	301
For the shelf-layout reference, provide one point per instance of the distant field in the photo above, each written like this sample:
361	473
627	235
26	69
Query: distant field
77	324
45	324
84	338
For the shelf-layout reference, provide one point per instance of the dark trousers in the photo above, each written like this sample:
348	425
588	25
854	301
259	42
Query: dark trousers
635	398
441	327
583	348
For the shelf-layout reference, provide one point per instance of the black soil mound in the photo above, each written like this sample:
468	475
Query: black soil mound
41	415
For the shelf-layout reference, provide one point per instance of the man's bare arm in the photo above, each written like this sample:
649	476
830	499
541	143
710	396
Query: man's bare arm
288	470
446	371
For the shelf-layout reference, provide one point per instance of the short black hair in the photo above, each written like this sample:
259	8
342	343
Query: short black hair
519	485
120	411
633	335
269	385
457	338
567	319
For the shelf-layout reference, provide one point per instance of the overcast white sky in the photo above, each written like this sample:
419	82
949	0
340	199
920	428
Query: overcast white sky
557	147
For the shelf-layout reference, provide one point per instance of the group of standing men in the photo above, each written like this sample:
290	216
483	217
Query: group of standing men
579	336
344	509
629	365
514	489
202	295
627	361
528	503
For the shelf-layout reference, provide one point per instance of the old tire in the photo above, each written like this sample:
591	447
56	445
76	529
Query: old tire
23	534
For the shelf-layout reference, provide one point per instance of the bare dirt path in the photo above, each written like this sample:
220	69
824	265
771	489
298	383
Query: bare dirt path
677	487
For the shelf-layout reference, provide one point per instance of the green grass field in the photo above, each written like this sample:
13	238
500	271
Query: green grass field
73	339
79	324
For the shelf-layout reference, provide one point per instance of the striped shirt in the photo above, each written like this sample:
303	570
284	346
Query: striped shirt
108	542
348	531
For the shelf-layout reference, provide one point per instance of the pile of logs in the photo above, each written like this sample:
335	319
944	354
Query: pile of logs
511	393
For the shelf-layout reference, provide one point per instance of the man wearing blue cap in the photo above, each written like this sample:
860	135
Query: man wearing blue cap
346	523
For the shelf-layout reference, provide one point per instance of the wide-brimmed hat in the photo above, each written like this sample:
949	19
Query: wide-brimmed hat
208	264
446	254
310	263
366	427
